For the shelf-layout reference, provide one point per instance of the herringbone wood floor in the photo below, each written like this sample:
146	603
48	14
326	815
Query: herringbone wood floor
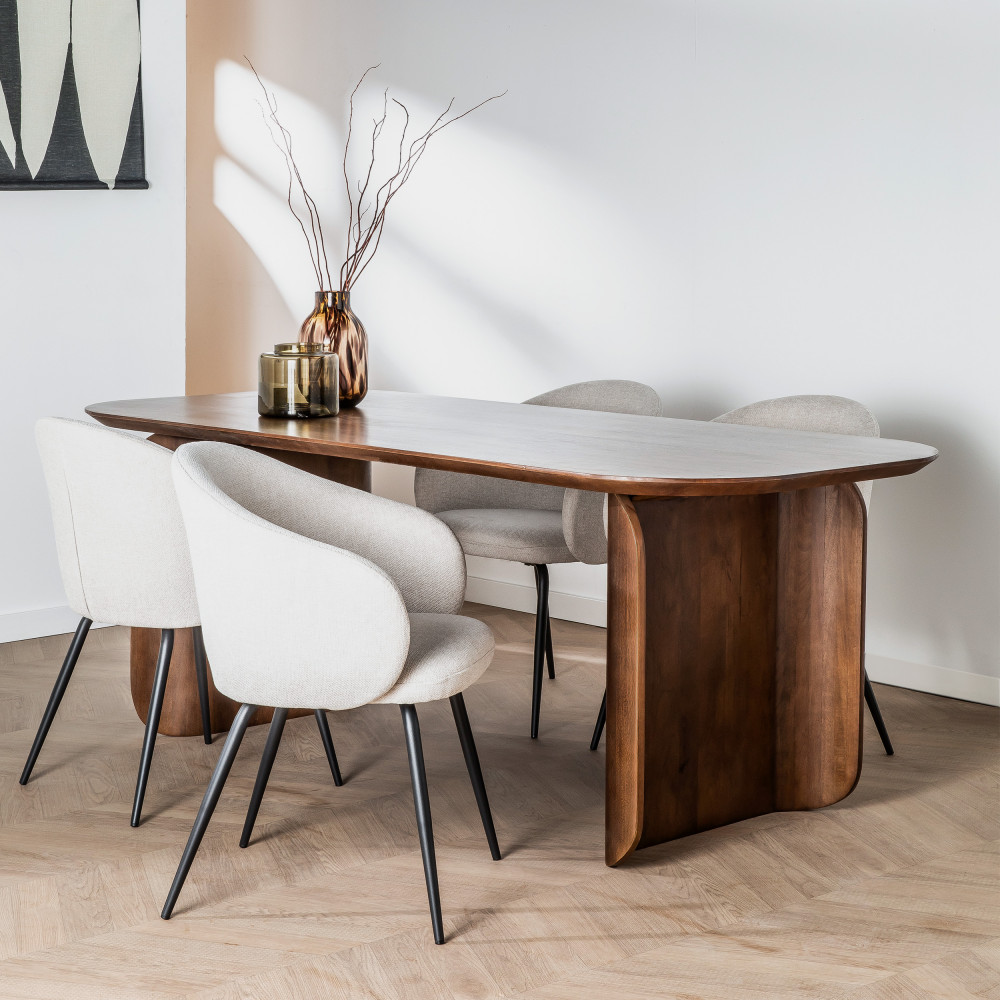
890	895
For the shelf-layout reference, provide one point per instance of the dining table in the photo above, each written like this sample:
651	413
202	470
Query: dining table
736	582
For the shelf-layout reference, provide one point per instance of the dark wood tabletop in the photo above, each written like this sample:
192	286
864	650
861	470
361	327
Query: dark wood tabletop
606	452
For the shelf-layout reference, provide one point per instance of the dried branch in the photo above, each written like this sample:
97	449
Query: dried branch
316	244
379	124
347	181
367	245
314	220
295	215
365	219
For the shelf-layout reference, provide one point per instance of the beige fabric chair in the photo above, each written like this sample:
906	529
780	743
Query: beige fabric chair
123	557
378	622
531	523
825	414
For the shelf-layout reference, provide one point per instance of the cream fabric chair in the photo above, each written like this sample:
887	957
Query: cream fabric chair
531	523
825	414
367	614
123	557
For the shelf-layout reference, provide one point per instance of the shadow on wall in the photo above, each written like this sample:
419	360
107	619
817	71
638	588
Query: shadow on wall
929	558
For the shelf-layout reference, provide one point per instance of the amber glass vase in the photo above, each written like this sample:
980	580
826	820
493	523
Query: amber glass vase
334	327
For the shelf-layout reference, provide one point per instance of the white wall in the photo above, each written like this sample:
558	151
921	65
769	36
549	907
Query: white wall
92	307
727	200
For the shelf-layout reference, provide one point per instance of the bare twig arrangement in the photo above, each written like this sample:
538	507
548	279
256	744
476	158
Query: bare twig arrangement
282	139
366	212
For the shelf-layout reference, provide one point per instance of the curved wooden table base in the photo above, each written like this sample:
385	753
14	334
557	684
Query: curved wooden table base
181	708
735	659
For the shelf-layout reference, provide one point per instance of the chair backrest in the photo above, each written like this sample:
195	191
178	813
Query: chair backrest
604	395
292	620
826	414
435	490
584	514
119	536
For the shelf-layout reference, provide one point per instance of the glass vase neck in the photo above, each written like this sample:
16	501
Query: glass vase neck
336	300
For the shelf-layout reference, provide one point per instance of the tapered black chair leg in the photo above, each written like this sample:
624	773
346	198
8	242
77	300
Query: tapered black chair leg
877	716
208	804
542	584
475	771
152	720
201	672
331	754
58	690
264	771
602	716
549	658
422	804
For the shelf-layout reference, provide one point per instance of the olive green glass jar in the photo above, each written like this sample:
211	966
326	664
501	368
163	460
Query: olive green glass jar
298	381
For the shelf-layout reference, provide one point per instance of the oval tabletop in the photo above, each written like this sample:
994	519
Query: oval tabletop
585	449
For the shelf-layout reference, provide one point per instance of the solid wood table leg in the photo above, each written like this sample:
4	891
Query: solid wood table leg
735	659
181	712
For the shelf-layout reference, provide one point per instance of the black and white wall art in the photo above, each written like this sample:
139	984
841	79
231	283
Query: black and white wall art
70	95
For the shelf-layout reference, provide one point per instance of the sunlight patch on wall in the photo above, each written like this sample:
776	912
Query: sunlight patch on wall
250	183
498	258
243	135
261	218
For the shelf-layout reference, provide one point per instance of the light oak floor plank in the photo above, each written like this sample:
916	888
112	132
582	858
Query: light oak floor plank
893	894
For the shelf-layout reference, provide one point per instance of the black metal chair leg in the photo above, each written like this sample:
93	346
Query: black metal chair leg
602	716
208	804
475	771
549	658
877	716
264	771
331	754
422	804
542	585
152	720
201	673
58	690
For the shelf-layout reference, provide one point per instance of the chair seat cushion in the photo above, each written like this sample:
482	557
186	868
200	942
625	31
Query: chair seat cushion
447	654
519	535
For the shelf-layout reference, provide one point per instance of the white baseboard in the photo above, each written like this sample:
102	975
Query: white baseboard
960	684
924	677
518	597
35	624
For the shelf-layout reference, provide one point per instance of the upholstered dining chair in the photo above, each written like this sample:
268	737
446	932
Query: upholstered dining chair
123	557
828	415
124	560
368	615
532	523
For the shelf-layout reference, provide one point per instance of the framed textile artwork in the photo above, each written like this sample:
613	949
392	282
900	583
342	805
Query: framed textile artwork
70	95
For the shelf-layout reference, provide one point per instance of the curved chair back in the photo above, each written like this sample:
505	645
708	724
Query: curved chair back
437	491
603	395
122	549
303	582
584	514
826	414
